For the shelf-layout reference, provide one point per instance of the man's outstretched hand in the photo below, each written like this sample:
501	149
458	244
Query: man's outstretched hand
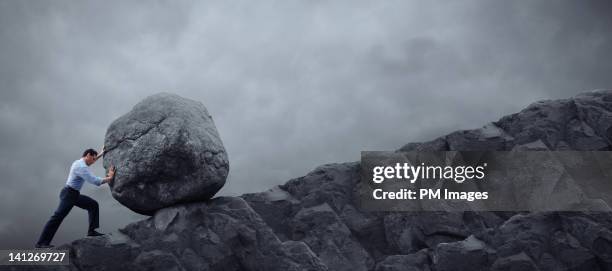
110	175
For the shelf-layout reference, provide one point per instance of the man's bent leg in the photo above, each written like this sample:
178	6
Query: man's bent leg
56	219
92	208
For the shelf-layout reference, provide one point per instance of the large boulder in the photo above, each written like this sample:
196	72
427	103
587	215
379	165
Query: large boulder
166	150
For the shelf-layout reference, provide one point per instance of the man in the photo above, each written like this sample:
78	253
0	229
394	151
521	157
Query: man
70	196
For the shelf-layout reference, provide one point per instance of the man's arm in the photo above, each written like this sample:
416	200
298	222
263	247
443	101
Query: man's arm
88	176
101	153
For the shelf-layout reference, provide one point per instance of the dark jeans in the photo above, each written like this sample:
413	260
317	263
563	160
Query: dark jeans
69	197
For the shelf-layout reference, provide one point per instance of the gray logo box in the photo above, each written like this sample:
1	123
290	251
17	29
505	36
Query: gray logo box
513	181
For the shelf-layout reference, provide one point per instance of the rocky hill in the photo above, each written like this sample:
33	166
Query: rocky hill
312	222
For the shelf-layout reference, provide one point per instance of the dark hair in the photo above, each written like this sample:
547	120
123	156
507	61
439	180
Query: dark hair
90	151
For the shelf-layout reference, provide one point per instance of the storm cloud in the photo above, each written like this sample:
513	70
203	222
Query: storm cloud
290	84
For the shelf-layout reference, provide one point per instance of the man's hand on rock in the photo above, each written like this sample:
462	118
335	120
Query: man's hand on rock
111	171
110	175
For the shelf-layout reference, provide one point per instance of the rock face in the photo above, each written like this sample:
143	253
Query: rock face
166	151
580	123
224	233
313	223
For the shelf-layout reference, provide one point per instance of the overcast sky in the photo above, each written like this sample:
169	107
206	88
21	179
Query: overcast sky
290	84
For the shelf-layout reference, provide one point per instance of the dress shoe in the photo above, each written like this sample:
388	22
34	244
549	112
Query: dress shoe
94	233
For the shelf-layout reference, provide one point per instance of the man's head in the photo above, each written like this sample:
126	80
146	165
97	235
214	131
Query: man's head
89	156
